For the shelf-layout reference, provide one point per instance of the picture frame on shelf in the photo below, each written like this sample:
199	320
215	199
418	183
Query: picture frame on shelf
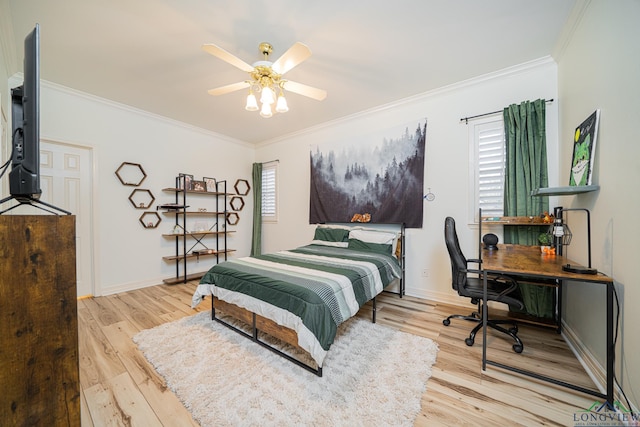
185	181
198	186
210	184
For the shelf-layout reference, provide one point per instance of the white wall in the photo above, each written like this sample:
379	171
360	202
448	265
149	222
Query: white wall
599	68
127	255
446	165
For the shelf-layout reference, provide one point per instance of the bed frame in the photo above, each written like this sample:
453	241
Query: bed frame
259	323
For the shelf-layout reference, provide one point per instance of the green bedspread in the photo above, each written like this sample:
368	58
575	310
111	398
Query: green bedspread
322	285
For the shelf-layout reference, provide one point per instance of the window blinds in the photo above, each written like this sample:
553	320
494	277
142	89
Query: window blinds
269	192
490	168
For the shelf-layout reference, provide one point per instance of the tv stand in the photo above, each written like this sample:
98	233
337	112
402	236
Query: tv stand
29	200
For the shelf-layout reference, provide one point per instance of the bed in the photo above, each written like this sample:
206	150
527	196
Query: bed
301	296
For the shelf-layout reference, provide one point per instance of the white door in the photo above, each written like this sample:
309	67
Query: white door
66	182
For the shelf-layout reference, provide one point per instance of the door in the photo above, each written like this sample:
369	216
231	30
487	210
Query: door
66	182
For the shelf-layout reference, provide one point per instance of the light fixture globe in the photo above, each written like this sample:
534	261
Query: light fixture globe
266	111
252	103
281	105
268	97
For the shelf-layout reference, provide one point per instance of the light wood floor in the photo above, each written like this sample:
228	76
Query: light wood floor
120	388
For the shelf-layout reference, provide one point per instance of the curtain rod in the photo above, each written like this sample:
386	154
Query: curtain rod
271	161
466	119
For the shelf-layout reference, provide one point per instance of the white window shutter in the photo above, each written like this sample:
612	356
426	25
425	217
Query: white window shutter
490	167
269	205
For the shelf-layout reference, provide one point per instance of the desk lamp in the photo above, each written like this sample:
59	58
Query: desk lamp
561	235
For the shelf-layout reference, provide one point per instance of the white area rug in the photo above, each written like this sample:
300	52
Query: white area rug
373	375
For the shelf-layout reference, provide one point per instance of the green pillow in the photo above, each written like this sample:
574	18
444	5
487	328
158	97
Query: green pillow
331	234
371	247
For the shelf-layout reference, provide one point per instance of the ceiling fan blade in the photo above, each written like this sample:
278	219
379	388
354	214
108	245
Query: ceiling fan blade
228	88
227	57
292	57
311	92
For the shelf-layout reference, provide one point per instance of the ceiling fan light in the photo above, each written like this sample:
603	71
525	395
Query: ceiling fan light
281	105
266	111
268	96
252	103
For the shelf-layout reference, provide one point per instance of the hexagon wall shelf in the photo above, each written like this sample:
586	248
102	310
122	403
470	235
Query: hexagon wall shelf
131	174
141	198
150	219
236	203
242	187
232	218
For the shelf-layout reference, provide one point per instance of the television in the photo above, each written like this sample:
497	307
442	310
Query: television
24	178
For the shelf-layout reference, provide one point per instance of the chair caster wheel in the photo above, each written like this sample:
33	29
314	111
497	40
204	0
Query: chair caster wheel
517	348
469	342
446	322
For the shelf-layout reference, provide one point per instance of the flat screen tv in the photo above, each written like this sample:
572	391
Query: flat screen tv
24	178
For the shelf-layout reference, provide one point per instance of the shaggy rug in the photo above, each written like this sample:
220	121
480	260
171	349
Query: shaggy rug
372	375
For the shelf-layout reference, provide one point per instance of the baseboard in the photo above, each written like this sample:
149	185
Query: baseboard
589	362
131	286
450	298
441	297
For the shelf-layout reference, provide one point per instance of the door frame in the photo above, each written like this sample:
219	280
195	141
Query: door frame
93	217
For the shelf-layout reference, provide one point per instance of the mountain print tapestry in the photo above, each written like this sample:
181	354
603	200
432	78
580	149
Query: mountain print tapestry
381	176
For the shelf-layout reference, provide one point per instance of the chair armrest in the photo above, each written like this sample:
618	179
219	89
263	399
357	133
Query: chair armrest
474	270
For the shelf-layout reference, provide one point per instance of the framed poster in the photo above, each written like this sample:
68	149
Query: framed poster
584	149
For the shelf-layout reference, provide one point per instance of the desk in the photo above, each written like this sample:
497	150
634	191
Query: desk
518	260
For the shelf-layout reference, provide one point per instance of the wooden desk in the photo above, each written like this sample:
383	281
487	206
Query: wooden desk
518	260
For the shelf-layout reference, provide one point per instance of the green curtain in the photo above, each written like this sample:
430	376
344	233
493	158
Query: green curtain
526	167
256	237
526	170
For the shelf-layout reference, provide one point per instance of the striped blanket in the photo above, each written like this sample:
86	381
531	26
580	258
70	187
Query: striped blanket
311	289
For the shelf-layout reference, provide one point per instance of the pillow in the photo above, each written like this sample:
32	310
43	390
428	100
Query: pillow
334	244
382	237
373	236
331	234
371	247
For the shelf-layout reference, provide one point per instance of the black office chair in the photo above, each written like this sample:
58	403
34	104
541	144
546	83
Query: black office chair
499	288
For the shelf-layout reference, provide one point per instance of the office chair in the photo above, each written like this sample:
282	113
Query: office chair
499	288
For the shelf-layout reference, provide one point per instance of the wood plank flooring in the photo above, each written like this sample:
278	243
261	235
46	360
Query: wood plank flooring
120	388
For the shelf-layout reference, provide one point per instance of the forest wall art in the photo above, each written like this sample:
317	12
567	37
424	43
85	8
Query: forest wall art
379	175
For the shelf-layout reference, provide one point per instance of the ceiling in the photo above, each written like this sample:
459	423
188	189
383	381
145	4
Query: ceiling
147	53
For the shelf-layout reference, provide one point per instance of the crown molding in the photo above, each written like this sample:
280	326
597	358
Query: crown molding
421	97
569	28
113	104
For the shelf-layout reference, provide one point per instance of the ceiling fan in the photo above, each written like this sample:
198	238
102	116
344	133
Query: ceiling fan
266	77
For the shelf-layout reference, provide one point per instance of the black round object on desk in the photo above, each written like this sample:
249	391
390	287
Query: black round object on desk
490	241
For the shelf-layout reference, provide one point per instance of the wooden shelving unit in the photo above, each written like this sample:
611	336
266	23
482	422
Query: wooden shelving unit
193	244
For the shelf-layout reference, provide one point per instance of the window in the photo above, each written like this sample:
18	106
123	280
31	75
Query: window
269	195
487	150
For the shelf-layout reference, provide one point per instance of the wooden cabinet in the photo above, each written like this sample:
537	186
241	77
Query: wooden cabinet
199	233
39	373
